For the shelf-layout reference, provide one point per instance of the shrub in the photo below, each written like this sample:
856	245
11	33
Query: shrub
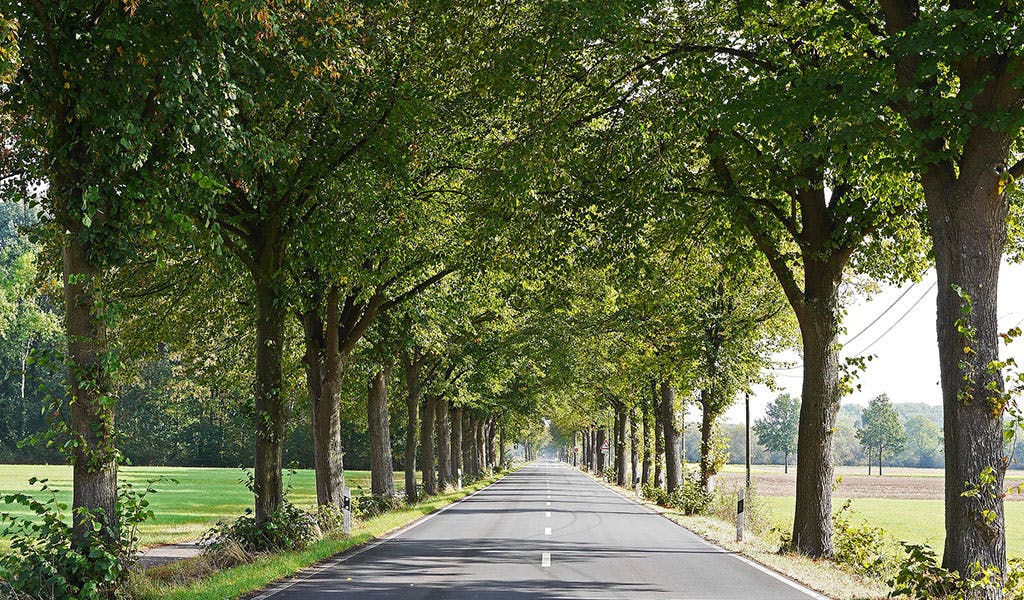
690	498
368	506
43	563
862	548
921	576
287	528
608	474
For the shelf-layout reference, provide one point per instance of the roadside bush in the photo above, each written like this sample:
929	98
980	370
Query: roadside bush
608	474
757	517
921	576
43	563
654	493
368	506
287	528
690	498
864	549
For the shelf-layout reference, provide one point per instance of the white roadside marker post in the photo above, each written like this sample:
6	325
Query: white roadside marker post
346	509
460	478
639	493
739	515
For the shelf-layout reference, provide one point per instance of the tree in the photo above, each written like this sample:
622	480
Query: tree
954	79
777	430
881	430
924	442
105	97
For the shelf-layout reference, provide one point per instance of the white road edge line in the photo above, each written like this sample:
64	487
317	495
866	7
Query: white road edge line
779	576
312	570
545	559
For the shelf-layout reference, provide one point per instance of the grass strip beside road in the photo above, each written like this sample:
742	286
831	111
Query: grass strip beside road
823	576
240	580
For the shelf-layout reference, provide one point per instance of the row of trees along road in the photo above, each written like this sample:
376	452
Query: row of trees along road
592	212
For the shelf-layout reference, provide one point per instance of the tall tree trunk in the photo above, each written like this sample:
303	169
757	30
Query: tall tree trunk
456	418
648	444
501	445
91	394
480	437
620	444
601	453
411	368
468	444
634	446
659	436
444	445
707	449
880	461
382	477
492	434
819	328
673	460
323	383
270	403
968	223
427	445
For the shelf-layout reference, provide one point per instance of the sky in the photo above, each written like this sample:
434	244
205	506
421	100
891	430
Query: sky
906	363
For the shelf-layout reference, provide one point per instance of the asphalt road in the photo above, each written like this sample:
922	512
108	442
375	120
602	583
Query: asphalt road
545	531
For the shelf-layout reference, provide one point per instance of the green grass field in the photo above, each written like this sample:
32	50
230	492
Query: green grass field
184	510
919	521
912	520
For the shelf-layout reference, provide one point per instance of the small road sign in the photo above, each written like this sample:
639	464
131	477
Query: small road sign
604	446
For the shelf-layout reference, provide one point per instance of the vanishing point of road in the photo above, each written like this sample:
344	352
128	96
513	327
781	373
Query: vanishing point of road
545	531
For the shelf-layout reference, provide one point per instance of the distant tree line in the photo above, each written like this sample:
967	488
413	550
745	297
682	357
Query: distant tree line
922	447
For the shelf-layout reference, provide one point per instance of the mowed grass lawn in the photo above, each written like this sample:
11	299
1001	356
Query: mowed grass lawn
918	520
184	510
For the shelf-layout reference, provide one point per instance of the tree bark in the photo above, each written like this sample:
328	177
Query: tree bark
480	437
602	455
648	447
427	446
91	395
819	328
444	445
968	223
659	436
673	460
468	443
634	446
492	434
270	403
382	478
323	383
411	368
620	445
456	419
501	445
707	450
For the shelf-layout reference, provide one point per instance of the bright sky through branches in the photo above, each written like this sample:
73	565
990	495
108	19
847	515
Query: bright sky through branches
906	364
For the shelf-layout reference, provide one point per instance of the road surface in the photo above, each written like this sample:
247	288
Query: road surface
545	531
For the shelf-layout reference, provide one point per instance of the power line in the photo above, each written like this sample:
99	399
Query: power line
898	321
868	326
883	313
